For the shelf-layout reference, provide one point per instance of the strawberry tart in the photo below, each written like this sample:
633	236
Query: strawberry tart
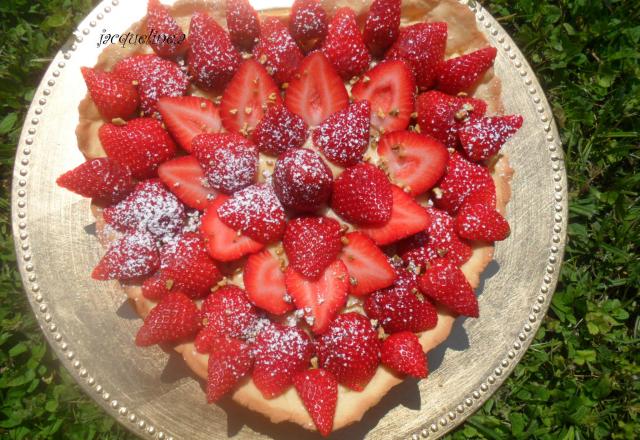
299	201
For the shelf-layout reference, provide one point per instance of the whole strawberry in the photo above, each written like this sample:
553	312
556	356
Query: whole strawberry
480	222
382	25
344	46
115	97
398	309
277	50
402	352
243	23
227	311
229	361
168	33
484	137
318	390
460	74
445	283
279	130
131	256
175	317
307	21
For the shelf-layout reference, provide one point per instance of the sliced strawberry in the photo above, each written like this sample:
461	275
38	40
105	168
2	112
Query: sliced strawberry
398	308
264	281
482	138
277	50
279	130
247	96
175	317
318	390
413	161
307	22
223	243
188	116
185	178
230	360
460	74
169	40
243	23
445	283
344	136
480	222
131	256
228	311
320	299
382	25
390	89
316	91
311	244
407	218
344	46
368	267
403	353
114	96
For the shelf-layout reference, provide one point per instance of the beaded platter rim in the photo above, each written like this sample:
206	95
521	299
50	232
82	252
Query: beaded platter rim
118	407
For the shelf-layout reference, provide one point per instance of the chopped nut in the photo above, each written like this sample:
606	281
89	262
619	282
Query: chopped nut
233	111
262	59
414	115
118	121
248	110
314	362
344	240
285	86
353	281
168	284
394	112
203	104
365	79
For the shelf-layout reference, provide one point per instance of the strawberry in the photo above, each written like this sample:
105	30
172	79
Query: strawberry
228	311
462	73
362	195
350	350
311	244
382	25
461	179
399	309
185	178
230	161
277	50
247	96
318	390
279	130
445	283
422	47
407	218
230	360
141	145
175	317
302	181
280	353
320	299
307	22
169	40
150	207
403	353
440	115
316	91
157	286
264	281
413	161
480	222
344	46
344	136
206	340
155	76
103	179
482	138
243	23
131	256
256	211
115	97
212	59
485	195
188	116
368	266
390	89
223	243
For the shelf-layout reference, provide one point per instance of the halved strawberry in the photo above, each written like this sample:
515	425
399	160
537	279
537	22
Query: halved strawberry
131	256
403	353
229	361
228	312
307	22
461	73
390	89
316	91
169	40
320	299
480	222
247	97
445	283
185	178
277	50
175	317
381	27
188	116
264	281
115	97
223	243
318	390
407	218
414	162
243	23
368	266
344	46
483	137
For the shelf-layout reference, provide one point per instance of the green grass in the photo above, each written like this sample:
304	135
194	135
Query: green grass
580	379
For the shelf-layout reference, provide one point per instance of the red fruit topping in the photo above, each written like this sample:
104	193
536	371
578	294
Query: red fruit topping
114	96
206	340
318	390
131	256
156	286
399	309
344	46
280	353
390	89
307	21
302	180
212	58
185	178
256	211
363	195
480	222
444	283
175	317
248	95
243	23
402	352
485	195
413	161
279	131
382	25
316	91
368	266
188	116
141	145
462	73
264	281
169	40
228	311
277	50
350	350
344	136
230	360
322	299
229	160
311	244
482	138
103	179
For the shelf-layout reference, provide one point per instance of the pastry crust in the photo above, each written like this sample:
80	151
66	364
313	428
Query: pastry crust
463	37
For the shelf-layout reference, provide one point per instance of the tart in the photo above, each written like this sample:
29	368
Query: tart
298	201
